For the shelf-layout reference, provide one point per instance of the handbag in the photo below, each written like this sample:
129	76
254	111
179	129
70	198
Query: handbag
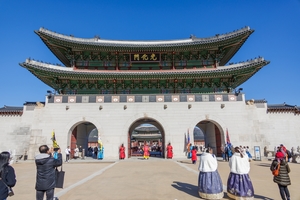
59	178
275	171
10	191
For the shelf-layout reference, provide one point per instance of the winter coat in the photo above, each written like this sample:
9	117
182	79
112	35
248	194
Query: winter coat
9	177
45	165
283	178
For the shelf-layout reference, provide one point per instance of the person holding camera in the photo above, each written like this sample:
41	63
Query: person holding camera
7	176
45	176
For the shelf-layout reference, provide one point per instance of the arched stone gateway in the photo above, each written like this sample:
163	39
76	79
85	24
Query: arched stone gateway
213	135
83	134
146	130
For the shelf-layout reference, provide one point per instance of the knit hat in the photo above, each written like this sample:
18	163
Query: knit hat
279	155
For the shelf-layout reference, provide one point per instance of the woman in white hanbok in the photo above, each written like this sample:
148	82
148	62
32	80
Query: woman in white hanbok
210	185
239	185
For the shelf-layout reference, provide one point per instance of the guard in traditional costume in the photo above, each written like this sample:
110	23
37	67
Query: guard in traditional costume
122	152
169	151
146	151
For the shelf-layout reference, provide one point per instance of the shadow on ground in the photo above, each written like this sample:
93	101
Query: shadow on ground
186	162
193	190
255	197
264	164
187	188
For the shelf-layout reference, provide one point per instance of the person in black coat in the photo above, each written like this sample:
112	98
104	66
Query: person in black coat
7	175
45	176
283	178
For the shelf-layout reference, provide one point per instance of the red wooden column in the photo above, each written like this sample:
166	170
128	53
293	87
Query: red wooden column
129	146
218	141
73	141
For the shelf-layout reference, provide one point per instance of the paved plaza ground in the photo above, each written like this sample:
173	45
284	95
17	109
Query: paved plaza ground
138	179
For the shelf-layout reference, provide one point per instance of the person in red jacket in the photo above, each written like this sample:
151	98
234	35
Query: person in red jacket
169	151
122	152
194	155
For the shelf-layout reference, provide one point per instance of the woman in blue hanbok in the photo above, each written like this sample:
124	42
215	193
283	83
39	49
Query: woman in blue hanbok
101	152
239	185
210	185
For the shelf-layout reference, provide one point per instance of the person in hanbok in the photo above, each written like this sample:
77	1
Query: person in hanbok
239	184
188	150
146	151
248	153
122	152
169	151
194	155
101	152
76	152
210	185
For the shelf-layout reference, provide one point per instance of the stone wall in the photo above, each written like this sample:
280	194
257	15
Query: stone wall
248	124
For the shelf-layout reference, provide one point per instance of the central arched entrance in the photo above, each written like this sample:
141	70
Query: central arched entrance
84	135
212	135
148	131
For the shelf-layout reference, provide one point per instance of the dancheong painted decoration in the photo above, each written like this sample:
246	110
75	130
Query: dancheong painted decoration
100	66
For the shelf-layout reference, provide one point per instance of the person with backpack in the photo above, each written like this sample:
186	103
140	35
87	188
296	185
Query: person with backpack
283	178
289	155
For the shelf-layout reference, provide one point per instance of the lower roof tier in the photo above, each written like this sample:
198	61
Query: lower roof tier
84	81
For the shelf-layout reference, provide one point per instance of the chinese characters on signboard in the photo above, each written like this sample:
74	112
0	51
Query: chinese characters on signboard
145	57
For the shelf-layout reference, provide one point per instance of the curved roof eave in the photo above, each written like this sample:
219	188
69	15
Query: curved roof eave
144	43
33	65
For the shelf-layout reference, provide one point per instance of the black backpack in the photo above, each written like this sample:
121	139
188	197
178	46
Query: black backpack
289	153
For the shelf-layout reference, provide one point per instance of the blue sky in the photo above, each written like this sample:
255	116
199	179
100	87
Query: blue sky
276	37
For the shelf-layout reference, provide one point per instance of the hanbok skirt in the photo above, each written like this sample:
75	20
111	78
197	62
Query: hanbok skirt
239	187
100	155
210	185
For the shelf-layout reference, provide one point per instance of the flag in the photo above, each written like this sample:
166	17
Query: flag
189	140
188	145
55	145
227	137
100	143
185	143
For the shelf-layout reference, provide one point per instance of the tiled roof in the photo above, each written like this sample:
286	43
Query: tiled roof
32	103
257	100
11	110
147	129
37	67
144	43
64	47
283	108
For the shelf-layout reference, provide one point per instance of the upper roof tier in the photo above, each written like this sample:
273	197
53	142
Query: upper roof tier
68	49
